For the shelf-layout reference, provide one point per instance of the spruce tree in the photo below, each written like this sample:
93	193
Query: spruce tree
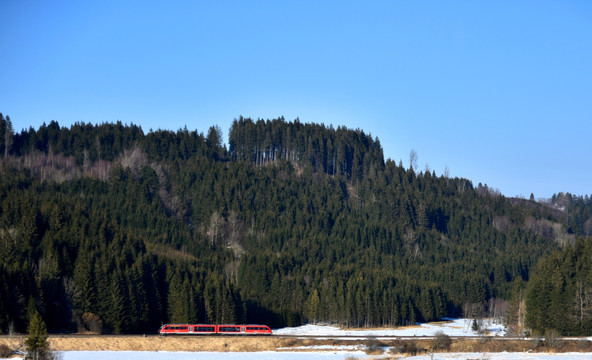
37	344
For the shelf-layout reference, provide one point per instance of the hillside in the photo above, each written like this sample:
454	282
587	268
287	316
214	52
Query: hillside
106	228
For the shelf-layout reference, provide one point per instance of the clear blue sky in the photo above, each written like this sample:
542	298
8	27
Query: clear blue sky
498	91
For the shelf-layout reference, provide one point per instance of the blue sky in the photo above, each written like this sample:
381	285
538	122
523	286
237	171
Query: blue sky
500	92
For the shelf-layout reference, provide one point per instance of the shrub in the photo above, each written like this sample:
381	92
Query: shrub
409	347
290	343
552	338
537	342
374	346
5	351
92	323
441	341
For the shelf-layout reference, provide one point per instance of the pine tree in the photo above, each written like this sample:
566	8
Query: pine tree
37	344
177	300
8	135
312	306
214	138
115	312
475	326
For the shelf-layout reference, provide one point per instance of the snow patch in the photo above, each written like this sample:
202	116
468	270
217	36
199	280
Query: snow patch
451	327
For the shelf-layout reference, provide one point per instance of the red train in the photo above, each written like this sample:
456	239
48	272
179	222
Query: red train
203	329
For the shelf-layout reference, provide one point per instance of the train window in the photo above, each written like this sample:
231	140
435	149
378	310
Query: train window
229	329
204	329
176	327
256	328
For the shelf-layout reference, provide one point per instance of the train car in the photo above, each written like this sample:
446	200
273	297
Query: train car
173	329
244	329
185	329
205	329
257	329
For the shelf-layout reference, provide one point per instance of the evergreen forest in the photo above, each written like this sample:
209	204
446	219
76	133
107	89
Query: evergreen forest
110	229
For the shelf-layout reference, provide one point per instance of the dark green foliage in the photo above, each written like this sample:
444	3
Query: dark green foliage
6	135
110	229
559	296
577	211
341	152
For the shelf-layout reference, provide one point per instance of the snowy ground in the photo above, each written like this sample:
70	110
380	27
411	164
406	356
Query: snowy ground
451	327
314	356
163	355
504	356
325	355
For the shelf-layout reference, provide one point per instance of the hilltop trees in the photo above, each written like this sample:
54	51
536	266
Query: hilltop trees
342	152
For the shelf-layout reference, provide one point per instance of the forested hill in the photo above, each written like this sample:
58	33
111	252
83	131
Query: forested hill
107	228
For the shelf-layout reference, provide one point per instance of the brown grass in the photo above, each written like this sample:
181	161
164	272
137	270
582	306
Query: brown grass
498	345
158	343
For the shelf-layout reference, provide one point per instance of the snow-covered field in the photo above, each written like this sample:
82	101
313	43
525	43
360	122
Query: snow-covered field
265	355
325	355
504	356
451	327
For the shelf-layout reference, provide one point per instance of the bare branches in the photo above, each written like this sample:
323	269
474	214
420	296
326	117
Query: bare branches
412	160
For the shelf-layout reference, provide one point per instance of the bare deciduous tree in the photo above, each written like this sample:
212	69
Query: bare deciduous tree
133	159
497	309
214	228
412	160
582	302
561	236
235	233
502	223
588	227
410	242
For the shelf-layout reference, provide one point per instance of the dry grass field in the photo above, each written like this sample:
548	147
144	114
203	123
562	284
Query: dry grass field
153	343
